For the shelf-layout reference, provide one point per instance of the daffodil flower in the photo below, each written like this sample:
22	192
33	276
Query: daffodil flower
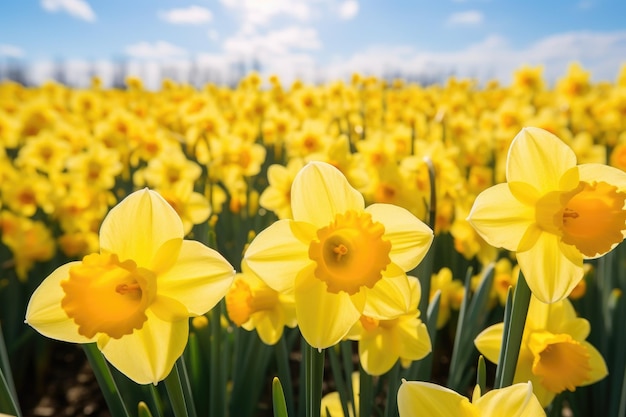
416	398
554	354
251	304
383	342
135	297
552	212
342	260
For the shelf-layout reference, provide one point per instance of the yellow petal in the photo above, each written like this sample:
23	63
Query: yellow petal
539	158
489	341
44	312
515	401
597	172
138	226
597	364
410	238
319	192
379	352
416	398
269	325
148	355
499	218
324	317
413	345
550	274
199	279
578	328
276	255
390	297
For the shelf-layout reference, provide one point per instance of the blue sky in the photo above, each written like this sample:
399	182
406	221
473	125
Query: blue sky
316	39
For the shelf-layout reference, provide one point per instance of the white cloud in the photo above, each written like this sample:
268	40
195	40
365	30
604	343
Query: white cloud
348	9
256	13
277	42
77	8
158	50
494	58
467	18
192	15
11	51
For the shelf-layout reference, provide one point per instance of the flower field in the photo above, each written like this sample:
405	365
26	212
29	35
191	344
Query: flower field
358	248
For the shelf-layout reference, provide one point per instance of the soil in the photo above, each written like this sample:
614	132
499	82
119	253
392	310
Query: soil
70	388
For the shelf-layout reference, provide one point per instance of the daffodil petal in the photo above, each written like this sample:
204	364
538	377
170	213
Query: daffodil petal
379	352
410	238
539	158
539	313
412	346
269	325
499	218
390	297
45	314
319	192
138	226
489	341
416	398
598	366
550	274
515	401
148	354
597	172
276	255
324	318
578	328
199	278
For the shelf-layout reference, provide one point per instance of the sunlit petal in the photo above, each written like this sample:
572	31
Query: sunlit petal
138	226
44	312
416	398
597	172
324	318
515	401
539	158
277	245
319	192
550	274
199	279
390	297
148	355
410	238
500	218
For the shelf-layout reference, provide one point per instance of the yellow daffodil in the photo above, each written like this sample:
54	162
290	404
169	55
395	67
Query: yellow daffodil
416	398
331	402
133	298
342	260
451	294
552	212
383	342
554	355
251	304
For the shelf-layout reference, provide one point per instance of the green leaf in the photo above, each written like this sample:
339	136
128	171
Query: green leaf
101	370
143	410
278	399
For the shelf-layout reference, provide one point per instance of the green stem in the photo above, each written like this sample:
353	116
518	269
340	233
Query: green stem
314	375
284	373
107	384
512	341
216	406
366	393
175	393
